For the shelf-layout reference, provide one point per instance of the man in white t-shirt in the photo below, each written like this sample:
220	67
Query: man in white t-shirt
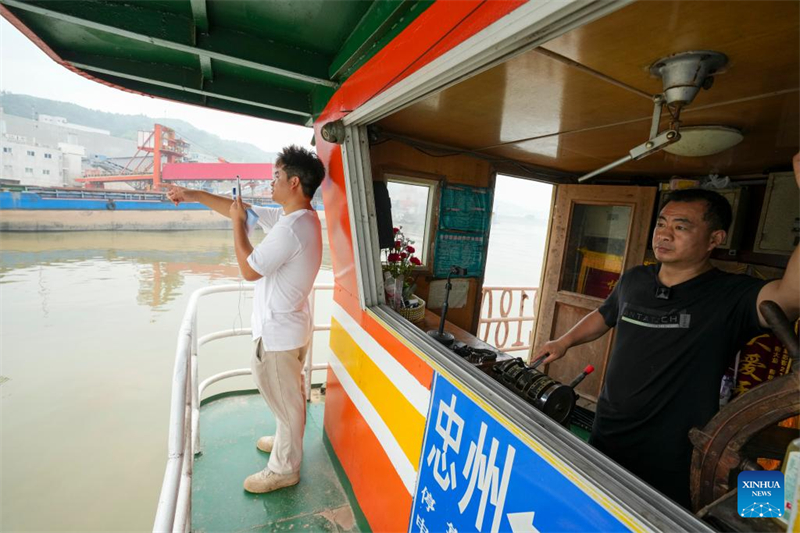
284	267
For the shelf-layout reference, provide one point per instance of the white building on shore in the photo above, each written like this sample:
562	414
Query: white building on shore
49	151
30	163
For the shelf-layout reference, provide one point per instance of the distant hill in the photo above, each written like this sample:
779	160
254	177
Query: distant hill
126	126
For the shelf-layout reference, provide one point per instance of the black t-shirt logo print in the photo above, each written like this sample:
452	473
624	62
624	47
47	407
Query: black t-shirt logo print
653	318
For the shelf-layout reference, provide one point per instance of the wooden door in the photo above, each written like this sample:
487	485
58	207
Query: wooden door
598	232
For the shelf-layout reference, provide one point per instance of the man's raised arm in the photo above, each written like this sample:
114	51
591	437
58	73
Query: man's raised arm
786	291
220	204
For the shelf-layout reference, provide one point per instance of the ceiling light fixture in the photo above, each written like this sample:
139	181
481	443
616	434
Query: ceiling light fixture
682	76
701	141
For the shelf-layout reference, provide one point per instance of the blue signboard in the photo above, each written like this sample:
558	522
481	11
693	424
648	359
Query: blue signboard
475	475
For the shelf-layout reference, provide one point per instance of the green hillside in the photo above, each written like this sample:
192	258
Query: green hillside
126	126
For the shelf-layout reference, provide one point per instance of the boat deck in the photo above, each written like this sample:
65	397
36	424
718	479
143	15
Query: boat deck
230	425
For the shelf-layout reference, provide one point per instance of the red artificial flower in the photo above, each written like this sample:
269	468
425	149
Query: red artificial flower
410	249
393	258
403	255
415	261
395	230
398	244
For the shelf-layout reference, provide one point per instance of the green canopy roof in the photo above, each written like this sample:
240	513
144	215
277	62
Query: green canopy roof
279	59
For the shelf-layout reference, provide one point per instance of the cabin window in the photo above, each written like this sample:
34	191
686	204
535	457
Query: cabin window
6	149
28	170
46	172
413	200
597	239
31	153
48	156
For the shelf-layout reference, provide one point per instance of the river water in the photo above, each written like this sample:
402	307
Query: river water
89	326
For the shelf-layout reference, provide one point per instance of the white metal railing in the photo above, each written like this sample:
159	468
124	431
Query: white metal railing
174	503
503	322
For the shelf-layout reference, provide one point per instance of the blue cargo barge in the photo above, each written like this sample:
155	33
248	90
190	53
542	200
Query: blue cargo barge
71	199
56	209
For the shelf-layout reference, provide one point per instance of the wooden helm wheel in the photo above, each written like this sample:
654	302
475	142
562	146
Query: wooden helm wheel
742	432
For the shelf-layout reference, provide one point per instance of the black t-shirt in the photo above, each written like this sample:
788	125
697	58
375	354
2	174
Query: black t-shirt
665	369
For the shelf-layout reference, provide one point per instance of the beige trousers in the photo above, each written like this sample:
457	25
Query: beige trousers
278	376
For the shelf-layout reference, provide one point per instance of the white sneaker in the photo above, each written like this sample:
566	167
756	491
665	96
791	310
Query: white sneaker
267	481
265	444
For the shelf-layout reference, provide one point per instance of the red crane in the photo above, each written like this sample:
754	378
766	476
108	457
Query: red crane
168	150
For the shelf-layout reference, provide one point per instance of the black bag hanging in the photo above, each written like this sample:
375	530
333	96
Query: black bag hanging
383	213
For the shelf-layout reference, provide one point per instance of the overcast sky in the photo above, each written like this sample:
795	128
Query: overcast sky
25	69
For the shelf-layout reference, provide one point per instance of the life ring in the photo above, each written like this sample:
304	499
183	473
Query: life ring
111	205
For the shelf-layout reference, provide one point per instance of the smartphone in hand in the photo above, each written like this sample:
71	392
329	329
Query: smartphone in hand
238	189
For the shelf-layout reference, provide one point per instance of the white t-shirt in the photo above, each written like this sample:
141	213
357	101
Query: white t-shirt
288	260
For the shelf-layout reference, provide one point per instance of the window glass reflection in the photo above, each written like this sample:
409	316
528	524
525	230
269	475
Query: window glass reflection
595	249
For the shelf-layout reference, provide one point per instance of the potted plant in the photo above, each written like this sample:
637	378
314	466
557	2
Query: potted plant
398	269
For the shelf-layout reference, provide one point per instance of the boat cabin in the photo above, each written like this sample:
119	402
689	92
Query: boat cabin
418	109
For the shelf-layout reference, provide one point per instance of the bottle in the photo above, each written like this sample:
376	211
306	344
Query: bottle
791	470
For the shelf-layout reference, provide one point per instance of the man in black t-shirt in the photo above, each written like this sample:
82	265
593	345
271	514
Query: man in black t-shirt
678	326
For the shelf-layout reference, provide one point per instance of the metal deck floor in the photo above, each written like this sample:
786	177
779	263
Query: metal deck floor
229	428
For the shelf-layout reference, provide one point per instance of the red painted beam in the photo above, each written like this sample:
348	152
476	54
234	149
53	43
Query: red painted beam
217	171
197	171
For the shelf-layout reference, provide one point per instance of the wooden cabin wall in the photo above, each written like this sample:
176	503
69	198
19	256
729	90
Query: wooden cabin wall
743	258
746	255
396	157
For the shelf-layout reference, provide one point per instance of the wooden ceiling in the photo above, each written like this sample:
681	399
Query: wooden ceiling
540	108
